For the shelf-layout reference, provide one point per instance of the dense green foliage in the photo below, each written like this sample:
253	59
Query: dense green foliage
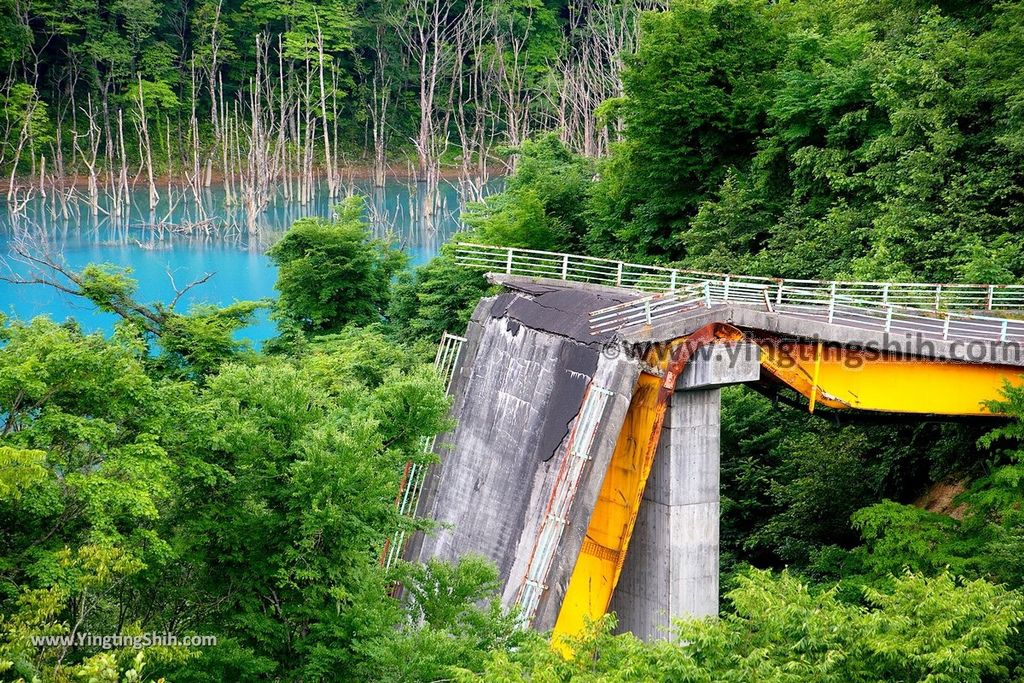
252	506
171	478
777	629
435	298
811	139
331	273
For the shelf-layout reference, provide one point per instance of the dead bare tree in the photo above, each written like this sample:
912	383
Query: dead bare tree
513	64
379	104
90	153
473	76
145	146
329	170
425	28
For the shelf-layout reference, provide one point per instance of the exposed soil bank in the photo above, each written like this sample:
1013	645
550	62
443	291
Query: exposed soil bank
405	173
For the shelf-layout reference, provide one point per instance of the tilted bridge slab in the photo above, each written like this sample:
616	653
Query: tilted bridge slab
585	462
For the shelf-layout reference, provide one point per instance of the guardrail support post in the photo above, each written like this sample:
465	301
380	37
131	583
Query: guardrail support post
945	329
1002	332
778	295
885	293
938	297
508	262
618	275
647	311
672	281
707	294
888	319
565	267
832	303
725	291
991	296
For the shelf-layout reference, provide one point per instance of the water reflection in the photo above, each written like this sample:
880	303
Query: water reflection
189	234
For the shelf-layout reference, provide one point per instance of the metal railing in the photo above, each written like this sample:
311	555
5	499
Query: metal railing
650	309
837	309
942	325
737	288
448	351
556	516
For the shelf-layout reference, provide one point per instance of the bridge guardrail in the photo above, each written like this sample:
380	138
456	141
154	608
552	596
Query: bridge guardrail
839	309
650	309
737	288
448	351
940	325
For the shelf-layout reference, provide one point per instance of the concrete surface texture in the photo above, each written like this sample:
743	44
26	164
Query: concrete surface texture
516	394
671	567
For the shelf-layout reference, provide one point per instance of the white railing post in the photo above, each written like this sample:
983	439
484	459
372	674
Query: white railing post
508	262
945	329
885	293
725	291
672	281
565	267
888	319
778	295
618	275
1002	332
832	303
938	297
991	296
647	311
707	294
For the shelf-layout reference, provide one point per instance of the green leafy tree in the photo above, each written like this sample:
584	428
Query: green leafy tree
87	443
544	203
981	536
332	272
696	95
448	632
780	629
253	507
435	298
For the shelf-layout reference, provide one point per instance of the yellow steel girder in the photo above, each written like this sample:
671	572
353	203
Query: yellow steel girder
611	523
863	380
827	375
603	552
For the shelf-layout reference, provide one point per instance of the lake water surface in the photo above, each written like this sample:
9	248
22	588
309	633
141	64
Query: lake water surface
161	258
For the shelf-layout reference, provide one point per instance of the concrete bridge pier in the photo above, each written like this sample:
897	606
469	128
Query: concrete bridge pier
671	567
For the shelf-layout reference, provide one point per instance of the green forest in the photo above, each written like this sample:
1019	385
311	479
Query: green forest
172	478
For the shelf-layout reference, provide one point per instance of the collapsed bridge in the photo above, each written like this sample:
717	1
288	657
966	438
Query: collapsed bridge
585	462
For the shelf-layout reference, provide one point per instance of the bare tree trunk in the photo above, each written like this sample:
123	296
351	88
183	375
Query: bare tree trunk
380	105
425	27
146	149
90	155
332	189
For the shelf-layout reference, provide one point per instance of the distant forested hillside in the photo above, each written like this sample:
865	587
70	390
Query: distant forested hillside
864	140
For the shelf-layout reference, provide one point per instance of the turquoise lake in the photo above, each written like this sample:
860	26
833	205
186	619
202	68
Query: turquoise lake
151	244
